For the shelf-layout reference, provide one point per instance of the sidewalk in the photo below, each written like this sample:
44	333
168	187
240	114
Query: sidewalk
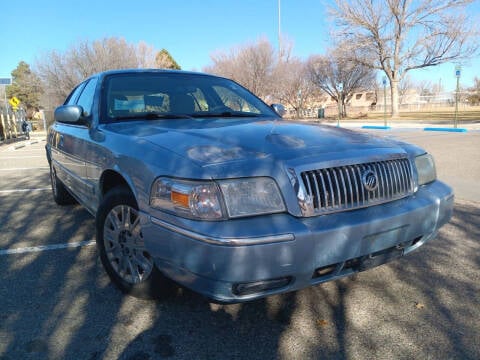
21	141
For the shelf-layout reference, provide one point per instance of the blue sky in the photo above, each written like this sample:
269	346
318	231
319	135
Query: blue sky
189	30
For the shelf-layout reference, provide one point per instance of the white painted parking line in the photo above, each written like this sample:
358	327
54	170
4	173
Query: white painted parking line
46	247
21	157
27	168
23	190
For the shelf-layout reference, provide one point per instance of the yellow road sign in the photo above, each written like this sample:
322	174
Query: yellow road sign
14	102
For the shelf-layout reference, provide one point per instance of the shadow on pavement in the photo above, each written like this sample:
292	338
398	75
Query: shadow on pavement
61	305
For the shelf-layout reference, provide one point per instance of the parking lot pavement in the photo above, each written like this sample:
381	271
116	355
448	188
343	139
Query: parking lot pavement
57	302
456	156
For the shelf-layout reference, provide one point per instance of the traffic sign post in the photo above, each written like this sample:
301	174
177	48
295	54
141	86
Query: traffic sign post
14	102
384	81
340	98
458	72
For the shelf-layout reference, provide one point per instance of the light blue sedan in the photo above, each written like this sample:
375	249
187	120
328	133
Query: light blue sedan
194	180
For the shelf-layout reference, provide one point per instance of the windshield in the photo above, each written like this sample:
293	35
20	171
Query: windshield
177	96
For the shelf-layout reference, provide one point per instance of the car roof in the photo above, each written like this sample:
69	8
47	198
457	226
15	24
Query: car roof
146	71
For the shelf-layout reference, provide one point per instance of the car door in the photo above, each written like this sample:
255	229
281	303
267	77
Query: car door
59	147
72	144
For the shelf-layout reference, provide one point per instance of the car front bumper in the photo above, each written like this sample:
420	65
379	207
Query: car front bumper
243	259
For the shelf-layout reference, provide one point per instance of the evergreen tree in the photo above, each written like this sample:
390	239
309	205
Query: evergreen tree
164	60
26	86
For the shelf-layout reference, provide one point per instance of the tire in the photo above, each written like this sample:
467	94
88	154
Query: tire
60	192
122	250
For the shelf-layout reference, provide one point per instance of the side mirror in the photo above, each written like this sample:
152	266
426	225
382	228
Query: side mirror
279	109
70	114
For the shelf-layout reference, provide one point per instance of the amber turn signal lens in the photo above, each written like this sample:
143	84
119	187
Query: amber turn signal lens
180	199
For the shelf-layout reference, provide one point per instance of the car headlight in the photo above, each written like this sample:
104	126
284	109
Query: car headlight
425	169
251	196
192	199
209	200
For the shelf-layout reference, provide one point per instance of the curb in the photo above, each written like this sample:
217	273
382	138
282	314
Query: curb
375	127
445	129
23	144
12	140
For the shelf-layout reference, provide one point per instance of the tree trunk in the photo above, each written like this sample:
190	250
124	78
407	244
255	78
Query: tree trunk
394	97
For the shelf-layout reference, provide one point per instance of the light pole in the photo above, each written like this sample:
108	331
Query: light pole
279	31
458	71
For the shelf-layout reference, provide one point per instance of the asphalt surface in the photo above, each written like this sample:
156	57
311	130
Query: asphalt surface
456	157
57	302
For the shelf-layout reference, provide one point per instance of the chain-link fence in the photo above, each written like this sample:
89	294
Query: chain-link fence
441	106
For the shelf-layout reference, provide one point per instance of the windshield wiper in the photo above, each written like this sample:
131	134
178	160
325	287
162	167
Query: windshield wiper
152	116
228	114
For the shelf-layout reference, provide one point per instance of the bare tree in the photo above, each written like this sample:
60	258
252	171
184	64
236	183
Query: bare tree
272	75
437	87
424	88
284	54
338	77
61	72
292	84
404	87
473	96
251	65
145	55
397	36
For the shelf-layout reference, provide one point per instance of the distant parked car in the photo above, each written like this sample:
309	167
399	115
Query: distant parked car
193	178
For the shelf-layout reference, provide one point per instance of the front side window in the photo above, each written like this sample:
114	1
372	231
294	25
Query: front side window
86	97
176	95
72	98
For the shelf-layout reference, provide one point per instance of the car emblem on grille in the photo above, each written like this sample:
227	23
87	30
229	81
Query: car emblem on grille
370	180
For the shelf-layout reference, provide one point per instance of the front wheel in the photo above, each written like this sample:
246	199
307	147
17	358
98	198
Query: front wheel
122	250
59	191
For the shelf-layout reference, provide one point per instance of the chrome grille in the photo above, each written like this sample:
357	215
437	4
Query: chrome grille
343	188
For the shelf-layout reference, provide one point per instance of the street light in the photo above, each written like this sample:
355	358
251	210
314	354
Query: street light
279	31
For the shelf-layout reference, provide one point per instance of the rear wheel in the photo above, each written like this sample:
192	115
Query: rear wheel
122	249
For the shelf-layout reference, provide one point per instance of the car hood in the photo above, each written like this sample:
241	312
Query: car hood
214	141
